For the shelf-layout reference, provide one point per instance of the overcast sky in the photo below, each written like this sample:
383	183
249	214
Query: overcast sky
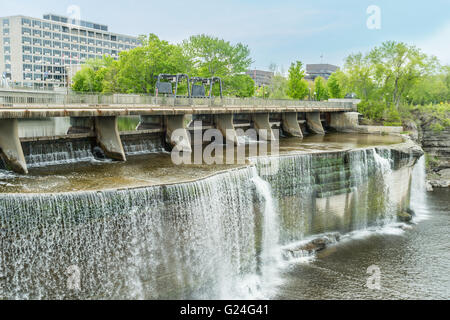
276	31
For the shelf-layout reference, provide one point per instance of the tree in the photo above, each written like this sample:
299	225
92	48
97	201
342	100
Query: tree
335	89
216	57
240	85
397	67
138	68
321	91
89	78
297	86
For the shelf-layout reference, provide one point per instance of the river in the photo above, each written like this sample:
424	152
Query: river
80	228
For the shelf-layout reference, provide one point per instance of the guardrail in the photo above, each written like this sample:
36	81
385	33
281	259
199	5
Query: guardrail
11	98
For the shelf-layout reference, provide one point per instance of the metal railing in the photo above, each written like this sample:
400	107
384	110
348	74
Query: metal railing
9	98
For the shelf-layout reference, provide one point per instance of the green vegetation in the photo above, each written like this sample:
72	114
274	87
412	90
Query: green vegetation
393	81
137	69
297	87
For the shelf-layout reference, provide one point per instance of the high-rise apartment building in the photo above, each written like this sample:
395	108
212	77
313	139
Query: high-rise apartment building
37	53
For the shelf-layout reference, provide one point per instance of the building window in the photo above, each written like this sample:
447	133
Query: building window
6	41
37	33
28	76
47	26
26	31
7	59
66	54
75	47
57	44
47	52
37	68
57	61
26	22
48	60
99	43
27	67
57	27
57	36
5	22
91	49
83	48
37	42
47	35
37	24
26	40
37	77
6	31
37	59
74	39
91	42
7	50
83	40
26	49
65	29
27	58
91	56
66	37
99	51
37	50
47	43
8	67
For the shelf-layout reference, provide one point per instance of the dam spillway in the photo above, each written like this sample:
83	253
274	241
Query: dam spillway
210	233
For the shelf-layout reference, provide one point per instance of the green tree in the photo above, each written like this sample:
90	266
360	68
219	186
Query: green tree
335	89
240	85
297	86
90	77
321	91
138	68
216	57
397	67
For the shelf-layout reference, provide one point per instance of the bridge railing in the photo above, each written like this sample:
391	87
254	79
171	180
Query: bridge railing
13	98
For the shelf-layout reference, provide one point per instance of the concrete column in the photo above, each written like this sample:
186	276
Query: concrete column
314	123
108	137
262	125
81	125
345	121
176	133
149	122
10	146
290	124
224	123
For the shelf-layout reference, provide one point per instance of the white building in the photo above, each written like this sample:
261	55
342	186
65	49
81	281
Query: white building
37	53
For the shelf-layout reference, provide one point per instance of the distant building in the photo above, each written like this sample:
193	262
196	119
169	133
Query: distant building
319	70
39	53
261	78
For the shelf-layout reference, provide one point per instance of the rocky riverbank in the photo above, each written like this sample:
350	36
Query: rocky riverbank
427	130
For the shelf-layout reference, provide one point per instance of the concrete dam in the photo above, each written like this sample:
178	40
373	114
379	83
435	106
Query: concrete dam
146	228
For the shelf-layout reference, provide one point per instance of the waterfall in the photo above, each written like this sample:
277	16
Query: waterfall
271	255
221	237
141	145
58	152
419	190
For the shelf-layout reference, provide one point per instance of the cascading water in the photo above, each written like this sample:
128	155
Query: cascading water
56	153
418	190
219	237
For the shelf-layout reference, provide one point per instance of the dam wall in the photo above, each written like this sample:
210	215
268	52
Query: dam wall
223	236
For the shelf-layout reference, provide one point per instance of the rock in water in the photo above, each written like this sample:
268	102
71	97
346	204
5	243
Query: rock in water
405	217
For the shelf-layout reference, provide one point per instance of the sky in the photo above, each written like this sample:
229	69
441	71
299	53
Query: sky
278	32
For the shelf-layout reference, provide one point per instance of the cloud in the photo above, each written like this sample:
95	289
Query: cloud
438	44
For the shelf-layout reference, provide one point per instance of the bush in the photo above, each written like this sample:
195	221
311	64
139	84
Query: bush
372	110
